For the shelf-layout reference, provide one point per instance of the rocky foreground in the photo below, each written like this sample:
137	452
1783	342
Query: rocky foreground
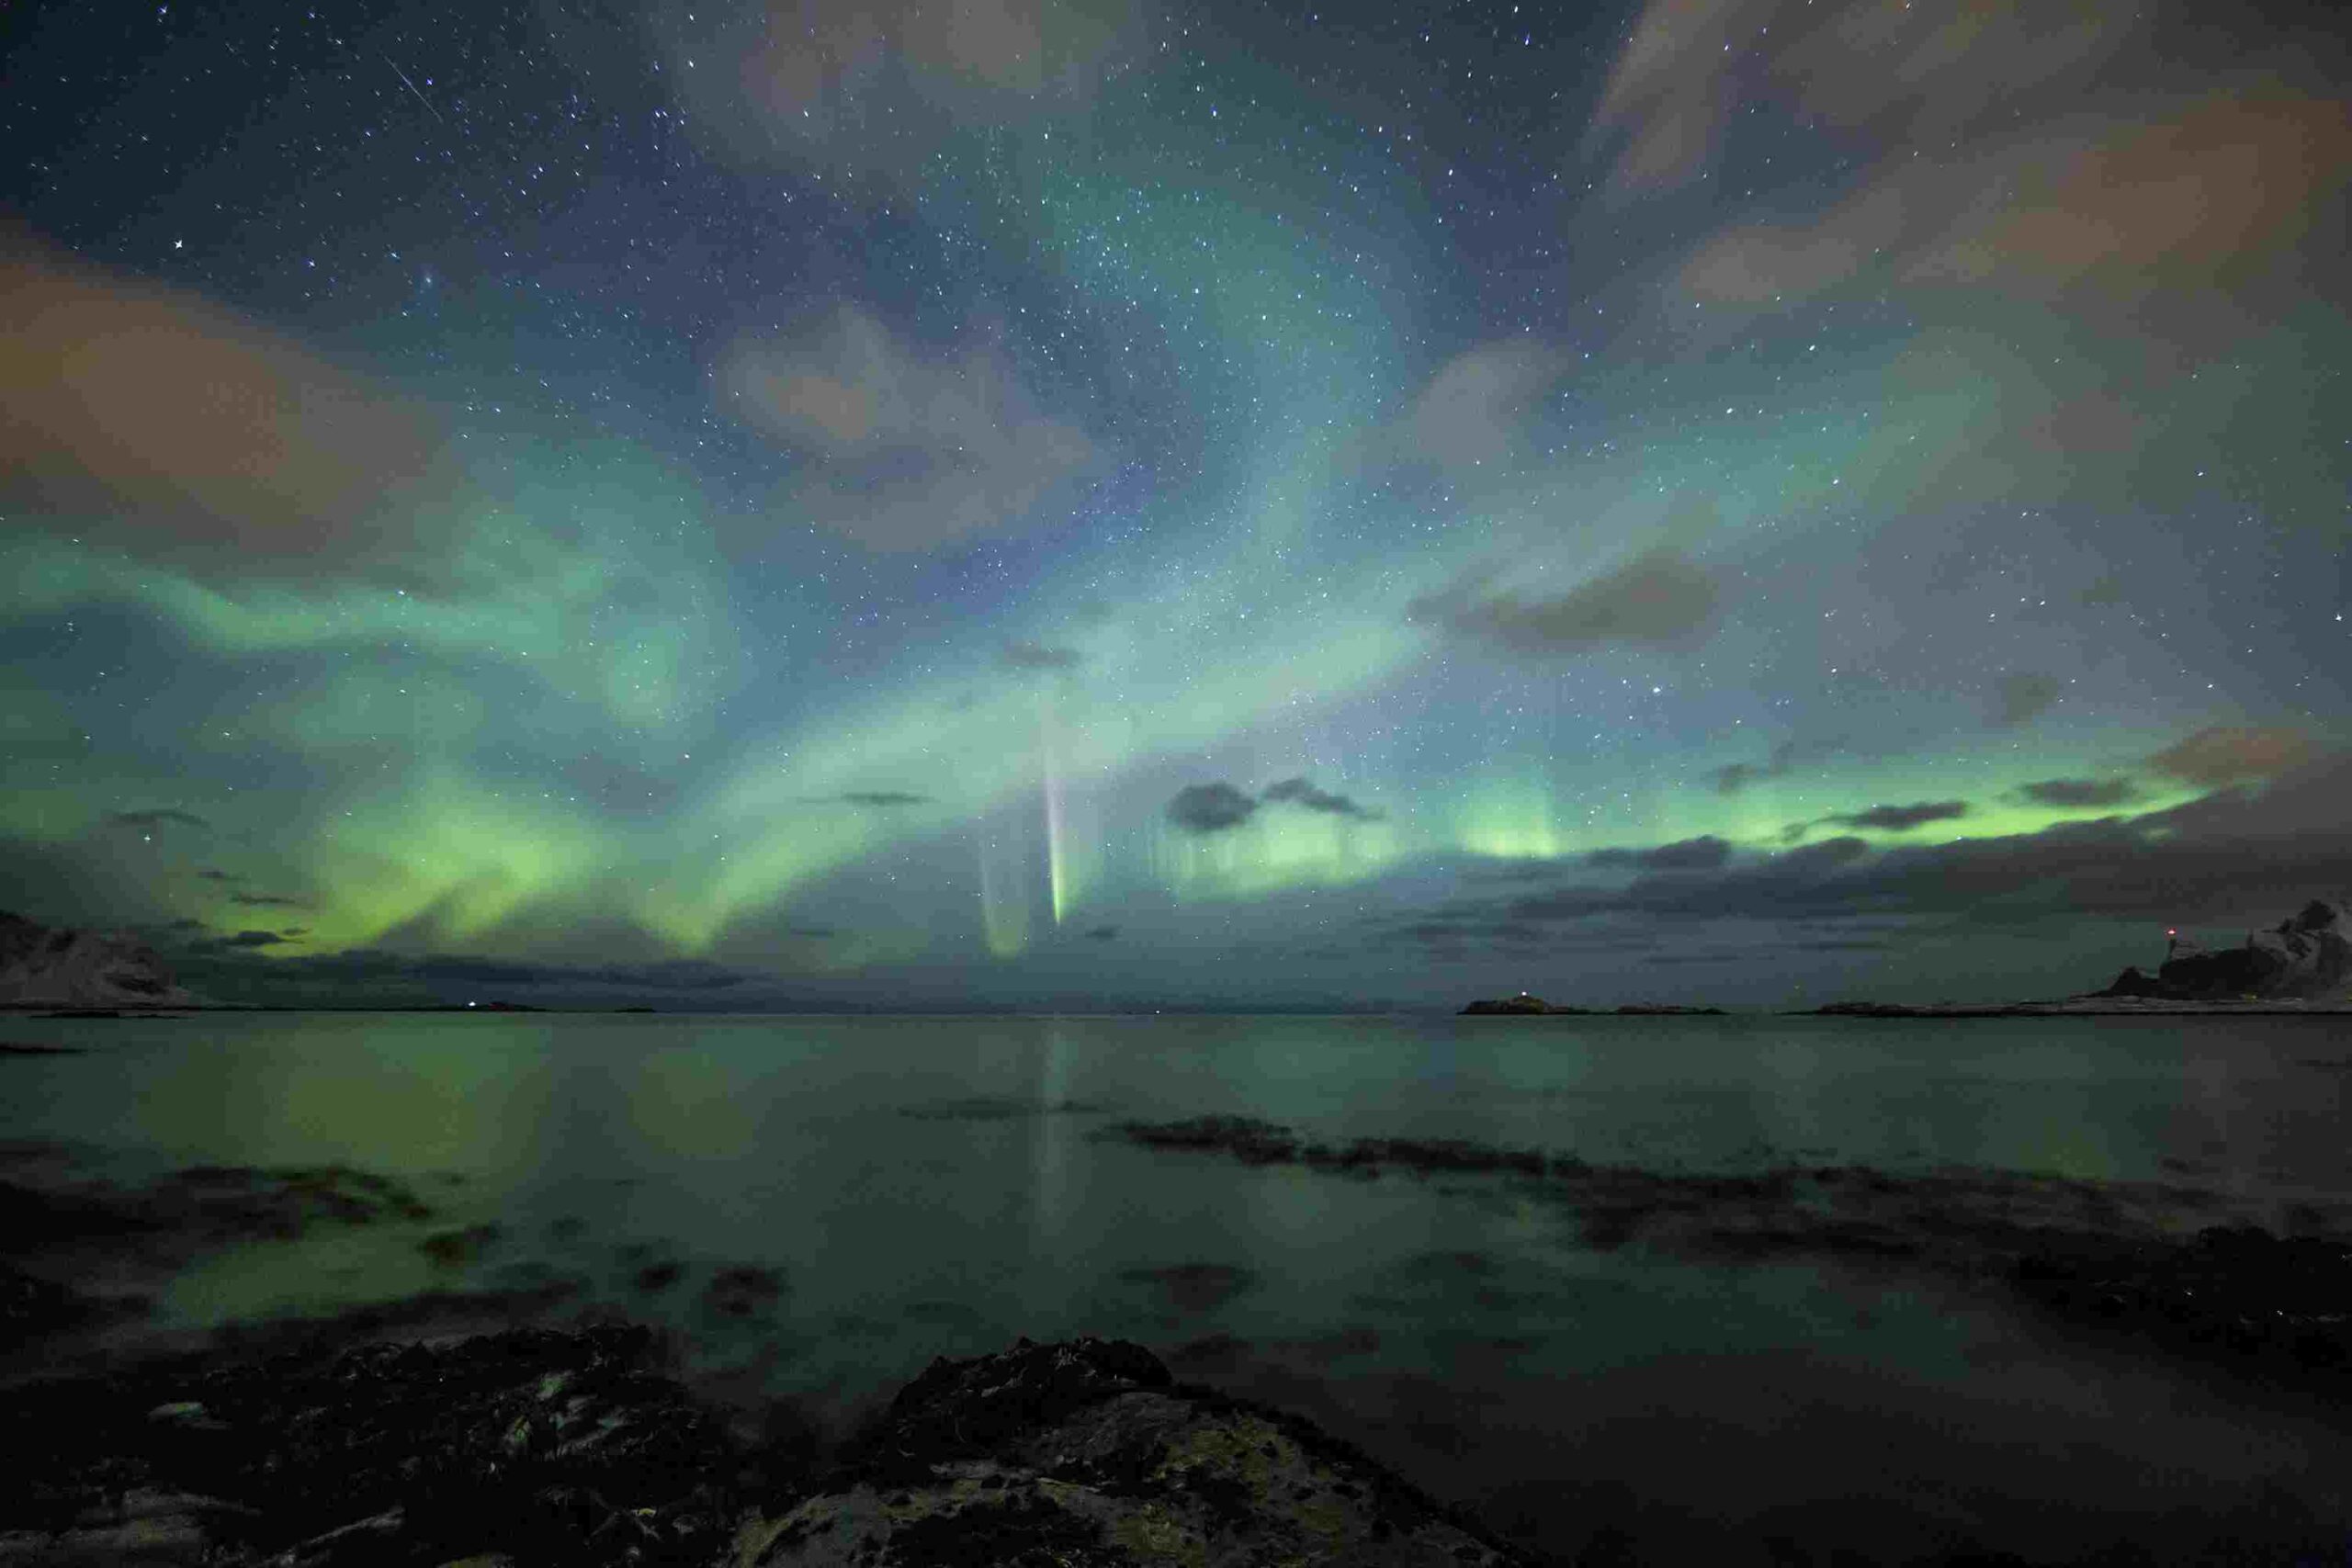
308	1444
543	1446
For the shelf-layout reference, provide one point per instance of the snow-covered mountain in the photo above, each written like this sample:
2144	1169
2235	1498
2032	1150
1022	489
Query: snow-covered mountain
44	967
2306	955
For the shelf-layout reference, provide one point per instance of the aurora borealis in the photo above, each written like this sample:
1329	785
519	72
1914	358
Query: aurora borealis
1068	504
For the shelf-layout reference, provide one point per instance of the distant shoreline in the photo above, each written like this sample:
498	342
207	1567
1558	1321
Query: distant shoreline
2094	1007
2098	1006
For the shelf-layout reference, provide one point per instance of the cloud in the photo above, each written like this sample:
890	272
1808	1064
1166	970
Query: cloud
1102	933
2070	154
2241	854
1299	791
2079	792
1705	853
1471	412
149	420
1734	777
1038	656
169	817
244	941
213	874
2019	698
1778	884
2222	755
1210	808
270	901
881	799
902	451
1901	818
877	87
1659	597
356	967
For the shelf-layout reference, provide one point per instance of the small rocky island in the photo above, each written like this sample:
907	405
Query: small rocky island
1525	1005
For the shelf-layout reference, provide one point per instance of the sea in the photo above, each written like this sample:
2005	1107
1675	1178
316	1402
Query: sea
817	1206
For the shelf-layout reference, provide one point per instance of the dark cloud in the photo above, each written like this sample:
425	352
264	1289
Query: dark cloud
1737	776
240	941
169	817
884	798
211	874
1210	808
270	901
1039	656
1679	893
2239	855
1102	933
1898	818
2222	755
2020	697
1299	791
1703	853
2079	792
1658	597
367	966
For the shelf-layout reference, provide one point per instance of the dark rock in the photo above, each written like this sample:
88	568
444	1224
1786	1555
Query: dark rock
453	1249
2103	1252
554	1447
1089	1453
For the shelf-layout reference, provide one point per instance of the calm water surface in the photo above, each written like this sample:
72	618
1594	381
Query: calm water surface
928	1186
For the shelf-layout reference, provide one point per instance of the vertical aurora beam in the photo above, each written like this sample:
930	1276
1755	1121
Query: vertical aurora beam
1055	822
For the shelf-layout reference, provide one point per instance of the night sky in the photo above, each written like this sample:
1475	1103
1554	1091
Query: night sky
1068	504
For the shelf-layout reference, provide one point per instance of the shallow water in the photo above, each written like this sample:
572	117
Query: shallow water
918	1187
